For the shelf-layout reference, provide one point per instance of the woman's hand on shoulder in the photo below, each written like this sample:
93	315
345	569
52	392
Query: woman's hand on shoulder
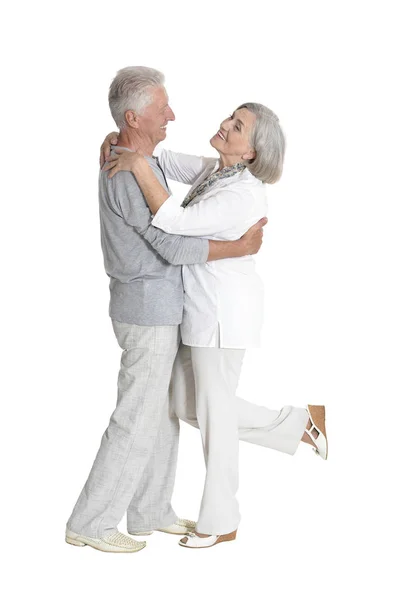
124	161
105	150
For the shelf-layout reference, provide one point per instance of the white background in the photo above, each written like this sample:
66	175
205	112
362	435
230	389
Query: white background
329	261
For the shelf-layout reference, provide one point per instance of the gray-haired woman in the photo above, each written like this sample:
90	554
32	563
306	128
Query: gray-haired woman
223	304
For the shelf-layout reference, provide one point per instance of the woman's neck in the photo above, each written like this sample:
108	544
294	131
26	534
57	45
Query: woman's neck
228	161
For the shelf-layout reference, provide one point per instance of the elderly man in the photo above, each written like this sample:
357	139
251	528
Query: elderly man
135	466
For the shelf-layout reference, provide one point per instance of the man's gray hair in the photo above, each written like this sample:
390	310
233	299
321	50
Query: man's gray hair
267	139
131	89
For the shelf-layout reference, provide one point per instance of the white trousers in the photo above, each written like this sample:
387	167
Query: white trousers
203	394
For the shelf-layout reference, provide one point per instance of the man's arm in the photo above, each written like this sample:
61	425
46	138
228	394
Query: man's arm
176	249
131	205
249	243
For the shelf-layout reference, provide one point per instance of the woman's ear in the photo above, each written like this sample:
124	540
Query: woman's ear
249	155
131	119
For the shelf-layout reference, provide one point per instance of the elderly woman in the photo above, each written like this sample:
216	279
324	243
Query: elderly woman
223	304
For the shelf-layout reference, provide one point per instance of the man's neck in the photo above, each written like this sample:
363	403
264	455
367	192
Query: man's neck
129	139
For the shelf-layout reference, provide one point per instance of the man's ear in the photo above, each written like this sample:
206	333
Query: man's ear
249	155
131	119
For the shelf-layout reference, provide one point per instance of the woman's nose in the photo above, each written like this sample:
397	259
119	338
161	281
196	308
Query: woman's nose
224	125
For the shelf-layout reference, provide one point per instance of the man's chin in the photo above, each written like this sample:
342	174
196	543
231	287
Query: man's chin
160	138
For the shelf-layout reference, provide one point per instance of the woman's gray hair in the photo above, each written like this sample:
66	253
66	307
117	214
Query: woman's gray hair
268	141
131	90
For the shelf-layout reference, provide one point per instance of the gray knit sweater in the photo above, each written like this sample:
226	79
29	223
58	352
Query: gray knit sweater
143	262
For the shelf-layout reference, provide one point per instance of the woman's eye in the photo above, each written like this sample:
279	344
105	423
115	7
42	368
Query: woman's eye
237	128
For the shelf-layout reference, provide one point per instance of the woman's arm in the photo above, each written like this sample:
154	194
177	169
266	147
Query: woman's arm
227	209
154	193
185	168
105	150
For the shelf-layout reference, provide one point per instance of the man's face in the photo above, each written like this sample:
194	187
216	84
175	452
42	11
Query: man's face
154	120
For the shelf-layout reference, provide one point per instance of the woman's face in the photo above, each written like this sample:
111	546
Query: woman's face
232	139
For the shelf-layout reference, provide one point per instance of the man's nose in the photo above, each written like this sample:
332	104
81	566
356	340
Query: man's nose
171	115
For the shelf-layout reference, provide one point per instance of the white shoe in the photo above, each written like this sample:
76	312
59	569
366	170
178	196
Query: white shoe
116	542
317	416
179	527
192	540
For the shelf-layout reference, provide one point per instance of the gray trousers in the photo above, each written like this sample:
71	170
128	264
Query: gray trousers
134	469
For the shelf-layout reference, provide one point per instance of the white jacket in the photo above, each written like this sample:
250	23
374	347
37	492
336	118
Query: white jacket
223	299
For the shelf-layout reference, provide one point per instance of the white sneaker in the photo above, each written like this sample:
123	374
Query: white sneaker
179	527
116	542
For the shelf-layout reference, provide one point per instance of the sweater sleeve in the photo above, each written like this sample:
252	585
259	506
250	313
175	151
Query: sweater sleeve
175	249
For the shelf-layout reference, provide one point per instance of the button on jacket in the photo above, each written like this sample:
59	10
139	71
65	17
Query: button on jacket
223	299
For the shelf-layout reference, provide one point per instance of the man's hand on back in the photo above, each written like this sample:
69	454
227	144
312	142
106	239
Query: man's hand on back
252	240
249	243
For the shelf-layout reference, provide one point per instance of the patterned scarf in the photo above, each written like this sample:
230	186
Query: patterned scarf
209	181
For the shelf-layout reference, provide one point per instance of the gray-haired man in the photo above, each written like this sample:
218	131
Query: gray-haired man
134	469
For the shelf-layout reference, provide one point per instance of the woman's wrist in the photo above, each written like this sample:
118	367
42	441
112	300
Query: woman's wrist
139	165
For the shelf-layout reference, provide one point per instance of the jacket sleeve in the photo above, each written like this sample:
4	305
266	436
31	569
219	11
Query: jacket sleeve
226	209
185	168
131	205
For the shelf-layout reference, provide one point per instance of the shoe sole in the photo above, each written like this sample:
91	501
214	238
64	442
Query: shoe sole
172	533
228	537
162	531
74	542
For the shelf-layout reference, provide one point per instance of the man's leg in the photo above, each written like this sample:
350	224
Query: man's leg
276	429
130	439
150	507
